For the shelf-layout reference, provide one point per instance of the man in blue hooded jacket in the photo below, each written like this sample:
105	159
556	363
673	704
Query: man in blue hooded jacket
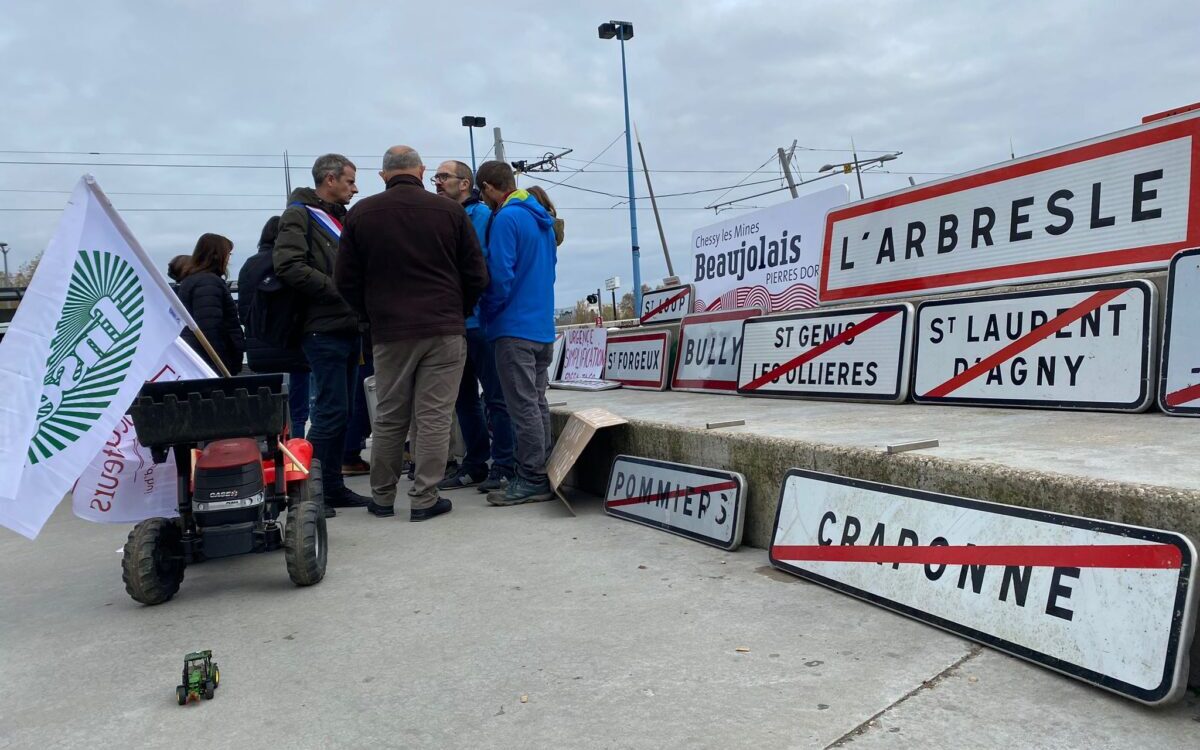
517	311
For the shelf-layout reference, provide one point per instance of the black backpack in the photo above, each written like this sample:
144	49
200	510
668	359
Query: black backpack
276	312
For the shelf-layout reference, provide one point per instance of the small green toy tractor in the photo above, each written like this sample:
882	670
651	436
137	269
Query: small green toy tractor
201	677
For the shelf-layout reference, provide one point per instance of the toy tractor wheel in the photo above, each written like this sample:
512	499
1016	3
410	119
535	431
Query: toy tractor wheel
208	690
305	540
152	567
181	695
216	678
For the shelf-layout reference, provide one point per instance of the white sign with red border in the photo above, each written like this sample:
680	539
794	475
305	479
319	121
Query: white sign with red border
1078	347
1179	391
1110	604
852	354
639	360
1120	202
583	353
710	348
692	501
667	304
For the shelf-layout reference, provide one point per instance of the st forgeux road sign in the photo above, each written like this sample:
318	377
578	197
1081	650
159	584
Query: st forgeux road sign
1107	603
639	360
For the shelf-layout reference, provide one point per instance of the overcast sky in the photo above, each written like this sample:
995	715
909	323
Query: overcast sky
715	86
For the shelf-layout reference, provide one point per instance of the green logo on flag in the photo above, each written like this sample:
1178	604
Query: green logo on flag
92	347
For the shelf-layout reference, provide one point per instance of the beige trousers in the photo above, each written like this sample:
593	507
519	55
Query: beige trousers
417	384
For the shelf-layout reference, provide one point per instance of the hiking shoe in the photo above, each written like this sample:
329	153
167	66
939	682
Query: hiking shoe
330	512
496	480
382	511
443	505
410	470
462	478
355	467
347	499
521	491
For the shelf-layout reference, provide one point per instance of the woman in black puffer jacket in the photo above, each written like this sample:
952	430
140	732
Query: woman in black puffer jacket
205	294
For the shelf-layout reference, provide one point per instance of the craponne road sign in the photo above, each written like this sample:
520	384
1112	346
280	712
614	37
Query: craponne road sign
1120	202
702	504
1179	391
710	347
855	354
1106	603
1079	347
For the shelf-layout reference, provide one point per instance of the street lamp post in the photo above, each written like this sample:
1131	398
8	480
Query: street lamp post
470	123
4	249
623	30
856	167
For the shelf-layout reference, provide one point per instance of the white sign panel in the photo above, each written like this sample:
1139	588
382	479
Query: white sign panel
770	258
1179	391
1079	347
612	284
583	353
1106	603
856	354
702	504
639	360
666	304
1118	202
585	384
710	348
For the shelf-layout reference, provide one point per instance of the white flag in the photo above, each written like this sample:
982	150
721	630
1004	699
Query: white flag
122	484
91	329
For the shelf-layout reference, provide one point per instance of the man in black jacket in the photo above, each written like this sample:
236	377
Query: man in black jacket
260	355
410	264
309	229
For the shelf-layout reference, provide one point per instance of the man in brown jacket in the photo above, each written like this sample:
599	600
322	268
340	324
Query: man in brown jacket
410	263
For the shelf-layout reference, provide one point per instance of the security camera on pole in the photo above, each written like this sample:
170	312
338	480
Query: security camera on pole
471	122
623	30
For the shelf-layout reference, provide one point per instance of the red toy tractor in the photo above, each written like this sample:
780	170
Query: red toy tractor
231	504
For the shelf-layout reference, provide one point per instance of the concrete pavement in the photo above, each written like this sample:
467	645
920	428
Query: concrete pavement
511	628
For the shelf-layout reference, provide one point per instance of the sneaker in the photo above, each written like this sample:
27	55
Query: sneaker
347	499
410	470
461	479
497	480
355	467
382	511
330	512
520	491
443	505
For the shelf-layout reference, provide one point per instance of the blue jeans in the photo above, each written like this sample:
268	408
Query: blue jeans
480	371
334	362
298	401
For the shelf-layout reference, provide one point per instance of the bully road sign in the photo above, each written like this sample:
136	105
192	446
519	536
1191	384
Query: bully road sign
710	347
1079	347
855	354
1179	391
639	360
692	501
667	304
1107	603
1119	202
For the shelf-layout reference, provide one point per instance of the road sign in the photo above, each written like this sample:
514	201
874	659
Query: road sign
1179	390
639	360
710	347
1119	202
583	353
1078	347
612	284
854	354
585	384
702	504
1106	603
667	304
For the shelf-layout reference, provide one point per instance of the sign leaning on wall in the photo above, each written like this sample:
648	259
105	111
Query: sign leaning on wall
1119	202
710	348
639	360
770	258
1078	347
851	354
1106	603
666	305
583	353
1179	390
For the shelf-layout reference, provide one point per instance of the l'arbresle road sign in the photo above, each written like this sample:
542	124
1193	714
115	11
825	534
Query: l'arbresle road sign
1106	603
1078	347
1120	202
1179	391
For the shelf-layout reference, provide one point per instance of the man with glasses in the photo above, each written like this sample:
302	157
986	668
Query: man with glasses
454	180
410	264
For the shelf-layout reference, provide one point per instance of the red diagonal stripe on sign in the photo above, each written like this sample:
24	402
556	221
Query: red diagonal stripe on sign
1183	395
670	301
1056	556
674	493
1045	330
817	351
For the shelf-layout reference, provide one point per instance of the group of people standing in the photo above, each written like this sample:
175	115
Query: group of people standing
448	294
